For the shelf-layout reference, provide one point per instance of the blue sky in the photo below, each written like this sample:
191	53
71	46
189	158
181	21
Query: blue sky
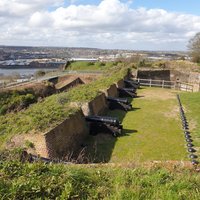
119	24
183	6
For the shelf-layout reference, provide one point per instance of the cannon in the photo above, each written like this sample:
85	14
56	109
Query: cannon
132	84
101	124
124	92
28	157
119	103
35	158
130	90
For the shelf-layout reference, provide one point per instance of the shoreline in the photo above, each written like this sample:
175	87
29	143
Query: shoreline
44	66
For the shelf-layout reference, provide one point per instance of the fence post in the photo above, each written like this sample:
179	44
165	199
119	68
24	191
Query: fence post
150	83
163	83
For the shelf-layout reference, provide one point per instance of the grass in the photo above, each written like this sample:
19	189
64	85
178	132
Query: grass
54	109
152	131
56	181
191	103
84	65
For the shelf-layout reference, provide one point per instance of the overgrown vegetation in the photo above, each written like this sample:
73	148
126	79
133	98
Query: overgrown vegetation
15	100
56	181
191	104
50	112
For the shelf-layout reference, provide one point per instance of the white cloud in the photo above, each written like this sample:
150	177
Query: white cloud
111	24
16	8
40	19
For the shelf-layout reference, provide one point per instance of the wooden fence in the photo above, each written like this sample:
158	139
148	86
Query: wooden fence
166	84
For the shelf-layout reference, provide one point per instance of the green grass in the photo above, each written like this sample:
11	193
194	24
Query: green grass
84	65
42	181
152	131
191	103
54	109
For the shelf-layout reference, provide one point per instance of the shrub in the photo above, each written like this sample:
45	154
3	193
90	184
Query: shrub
3	110
39	73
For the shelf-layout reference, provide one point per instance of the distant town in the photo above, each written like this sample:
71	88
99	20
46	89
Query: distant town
53	57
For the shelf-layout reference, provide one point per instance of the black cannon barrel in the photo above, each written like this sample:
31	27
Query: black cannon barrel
103	119
137	82
120	100
128	89
131	81
46	160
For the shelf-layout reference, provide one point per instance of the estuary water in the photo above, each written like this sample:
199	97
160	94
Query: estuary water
23	71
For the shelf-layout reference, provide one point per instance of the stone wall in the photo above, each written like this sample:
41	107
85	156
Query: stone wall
120	83
179	76
170	75
154	74
95	107
66	138
192	78
111	91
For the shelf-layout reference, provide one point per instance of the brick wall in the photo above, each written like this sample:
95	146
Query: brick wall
67	137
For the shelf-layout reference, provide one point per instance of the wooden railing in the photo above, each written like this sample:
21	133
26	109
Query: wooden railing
166	84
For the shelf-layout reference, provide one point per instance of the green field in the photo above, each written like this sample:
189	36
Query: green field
84	65
152	131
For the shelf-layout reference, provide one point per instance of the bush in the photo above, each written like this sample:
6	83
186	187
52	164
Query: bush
39	73
15	101
3	110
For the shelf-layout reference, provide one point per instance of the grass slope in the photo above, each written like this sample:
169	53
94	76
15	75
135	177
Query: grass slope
54	109
84	65
41	181
152	131
191	103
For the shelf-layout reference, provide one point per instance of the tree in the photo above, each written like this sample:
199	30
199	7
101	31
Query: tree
194	47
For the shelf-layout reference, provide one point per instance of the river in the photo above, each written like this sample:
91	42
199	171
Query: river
23	71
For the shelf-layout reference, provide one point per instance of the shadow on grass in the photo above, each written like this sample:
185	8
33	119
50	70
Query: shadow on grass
139	97
127	132
99	148
135	109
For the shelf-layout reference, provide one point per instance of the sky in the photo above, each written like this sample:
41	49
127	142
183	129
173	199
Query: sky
108	24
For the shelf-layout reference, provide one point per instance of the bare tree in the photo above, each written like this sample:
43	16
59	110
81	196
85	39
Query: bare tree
194	47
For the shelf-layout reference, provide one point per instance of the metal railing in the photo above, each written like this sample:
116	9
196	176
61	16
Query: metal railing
166	84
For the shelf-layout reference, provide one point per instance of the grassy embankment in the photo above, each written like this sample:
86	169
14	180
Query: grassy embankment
191	103
91	66
44	115
152	131
41	181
